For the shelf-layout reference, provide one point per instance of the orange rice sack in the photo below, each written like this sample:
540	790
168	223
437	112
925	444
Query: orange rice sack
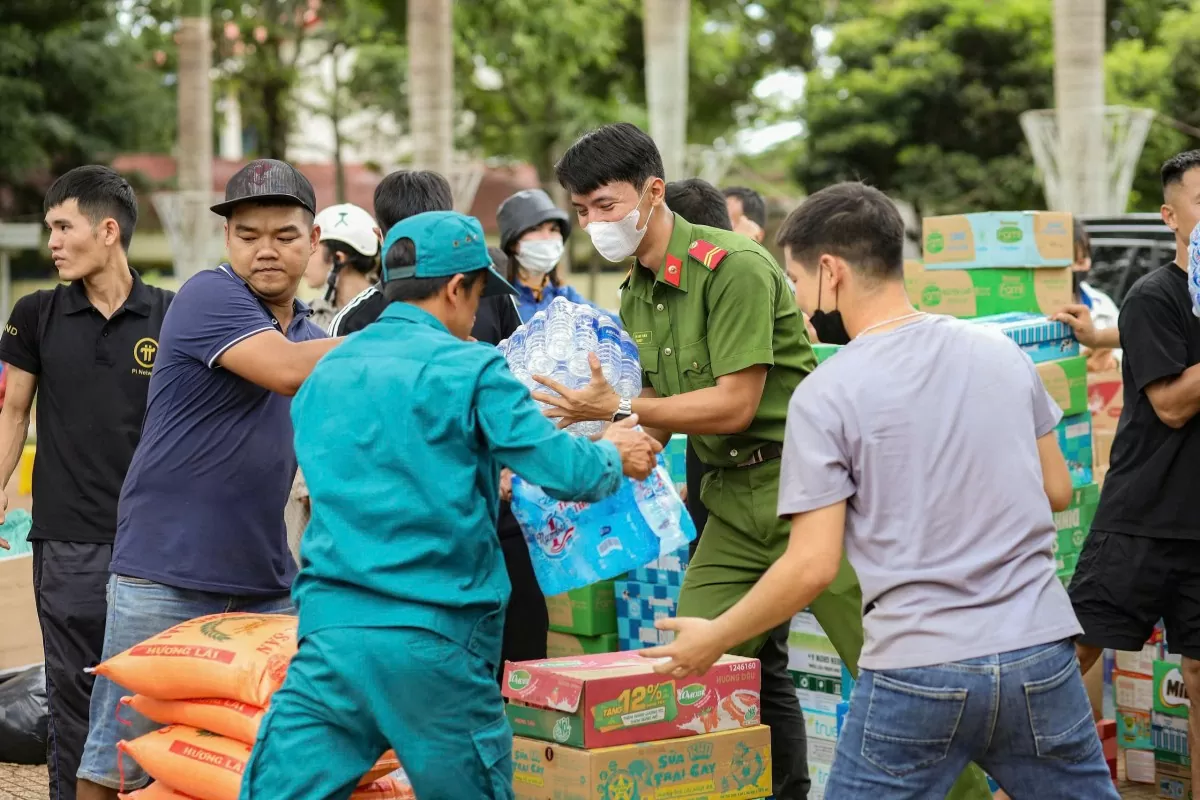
231	718
386	765
240	657
207	765
383	789
156	791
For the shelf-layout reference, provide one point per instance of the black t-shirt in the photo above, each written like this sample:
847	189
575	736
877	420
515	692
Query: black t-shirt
495	321
1150	489
92	377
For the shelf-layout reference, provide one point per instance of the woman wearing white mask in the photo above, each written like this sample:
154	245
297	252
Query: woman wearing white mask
532	234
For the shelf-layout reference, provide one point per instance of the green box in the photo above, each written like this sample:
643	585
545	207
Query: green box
967	293
590	611
824	351
561	645
1065	563
545	724
1066	381
1074	523
1170	694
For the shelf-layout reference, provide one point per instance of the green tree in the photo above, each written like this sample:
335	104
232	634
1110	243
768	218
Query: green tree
75	89
922	97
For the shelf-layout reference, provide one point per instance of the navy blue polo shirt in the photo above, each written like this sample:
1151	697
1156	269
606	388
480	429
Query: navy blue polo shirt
202	505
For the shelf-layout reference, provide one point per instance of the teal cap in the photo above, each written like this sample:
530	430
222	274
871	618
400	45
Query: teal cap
446	244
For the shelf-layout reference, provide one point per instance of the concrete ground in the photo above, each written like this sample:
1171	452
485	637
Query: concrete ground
29	783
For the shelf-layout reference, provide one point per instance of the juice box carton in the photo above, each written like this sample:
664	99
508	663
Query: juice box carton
1042	339
1169	693
1169	734
666	569
1174	781
560	645
726	765
1134	730
1075	441
1067	382
1074	522
819	725
999	239
1139	766
590	611
823	352
1133	692
617	698
809	649
821	751
638	606
967	293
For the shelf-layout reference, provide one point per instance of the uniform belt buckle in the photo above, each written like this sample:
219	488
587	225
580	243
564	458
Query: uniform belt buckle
768	452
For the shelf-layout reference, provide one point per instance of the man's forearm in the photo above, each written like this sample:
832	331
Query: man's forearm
1178	400
1106	339
14	430
704	412
787	588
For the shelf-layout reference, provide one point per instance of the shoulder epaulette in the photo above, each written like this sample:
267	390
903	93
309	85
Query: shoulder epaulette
707	253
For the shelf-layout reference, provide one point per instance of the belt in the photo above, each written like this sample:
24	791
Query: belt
768	452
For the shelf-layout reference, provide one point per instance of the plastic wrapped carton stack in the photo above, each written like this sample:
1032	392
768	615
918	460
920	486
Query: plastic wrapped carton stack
823	686
1169	725
1133	695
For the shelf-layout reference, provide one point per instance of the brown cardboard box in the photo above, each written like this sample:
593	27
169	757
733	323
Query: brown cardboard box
21	643
1105	400
730	765
998	239
967	293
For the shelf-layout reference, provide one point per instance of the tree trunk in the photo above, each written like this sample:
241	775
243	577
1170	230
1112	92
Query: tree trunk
665	28
431	83
1079	100
335	118
194	144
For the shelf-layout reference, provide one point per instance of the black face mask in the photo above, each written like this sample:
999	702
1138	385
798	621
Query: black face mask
828	324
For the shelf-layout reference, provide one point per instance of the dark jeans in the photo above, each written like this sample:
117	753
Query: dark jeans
780	707
69	580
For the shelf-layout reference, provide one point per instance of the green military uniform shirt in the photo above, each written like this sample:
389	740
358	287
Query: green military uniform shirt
719	305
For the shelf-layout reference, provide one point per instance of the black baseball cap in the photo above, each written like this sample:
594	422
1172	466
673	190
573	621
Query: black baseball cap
267	180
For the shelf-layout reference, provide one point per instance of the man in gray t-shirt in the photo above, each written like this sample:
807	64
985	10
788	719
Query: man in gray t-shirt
926	448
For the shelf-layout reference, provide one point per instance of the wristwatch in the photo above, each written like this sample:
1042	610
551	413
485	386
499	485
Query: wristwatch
624	409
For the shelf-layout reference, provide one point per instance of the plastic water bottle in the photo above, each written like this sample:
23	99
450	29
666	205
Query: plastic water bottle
537	360
630	382
589	429
560	329
661	508
609	349
1194	269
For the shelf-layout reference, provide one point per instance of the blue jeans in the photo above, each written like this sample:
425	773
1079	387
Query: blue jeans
1023	716
137	610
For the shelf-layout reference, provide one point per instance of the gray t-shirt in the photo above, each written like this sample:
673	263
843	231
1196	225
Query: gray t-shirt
929	431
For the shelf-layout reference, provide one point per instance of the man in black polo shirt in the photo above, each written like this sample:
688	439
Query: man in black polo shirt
401	195
85	348
1142	559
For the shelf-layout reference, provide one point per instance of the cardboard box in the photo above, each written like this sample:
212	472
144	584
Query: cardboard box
21	644
1075	441
1106	399
824	351
1073	523
1169	734
590	611
730	765
674	457
822	684
666	569
821	751
1134	731
1066	381
617	698
1042	339
820	725
809	649
1139	766
1133	692
999	239
967	293
1140	662
1173	781
638	606
561	645
1170	694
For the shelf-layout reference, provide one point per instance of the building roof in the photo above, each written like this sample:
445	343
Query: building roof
496	185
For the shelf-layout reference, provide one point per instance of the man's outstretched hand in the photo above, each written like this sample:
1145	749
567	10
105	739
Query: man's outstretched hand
638	449
696	648
596	401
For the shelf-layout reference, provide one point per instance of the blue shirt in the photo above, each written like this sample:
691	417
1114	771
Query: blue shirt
528	305
202	504
401	432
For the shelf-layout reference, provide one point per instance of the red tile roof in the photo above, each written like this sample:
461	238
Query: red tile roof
497	183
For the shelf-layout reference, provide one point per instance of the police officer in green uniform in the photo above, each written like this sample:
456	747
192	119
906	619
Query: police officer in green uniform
722	346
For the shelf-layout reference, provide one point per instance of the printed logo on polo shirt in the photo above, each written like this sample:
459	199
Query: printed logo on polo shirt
144	353
10	329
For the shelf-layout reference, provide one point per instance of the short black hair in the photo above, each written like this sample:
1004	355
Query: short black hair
699	202
406	193
352	258
100	193
403	253
617	153
1083	242
753	205
849	220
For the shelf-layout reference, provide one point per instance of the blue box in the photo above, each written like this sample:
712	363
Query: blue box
999	239
667	570
842	710
1075	441
638	606
674	458
1042	339
847	683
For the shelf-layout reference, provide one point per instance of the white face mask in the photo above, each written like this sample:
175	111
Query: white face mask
539	256
617	241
